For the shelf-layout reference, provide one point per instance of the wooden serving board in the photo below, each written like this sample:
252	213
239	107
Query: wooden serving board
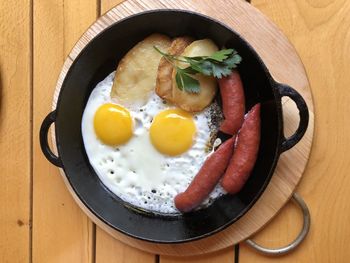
285	66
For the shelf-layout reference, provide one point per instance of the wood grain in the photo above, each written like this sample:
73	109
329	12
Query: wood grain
260	32
108	4
223	256
319	30
109	249
15	130
61	231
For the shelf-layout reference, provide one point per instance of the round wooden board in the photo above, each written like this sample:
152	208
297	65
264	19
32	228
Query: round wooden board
285	66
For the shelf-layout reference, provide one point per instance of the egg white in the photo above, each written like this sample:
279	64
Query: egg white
135	171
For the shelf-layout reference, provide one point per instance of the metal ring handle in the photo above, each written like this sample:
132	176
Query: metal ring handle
284	250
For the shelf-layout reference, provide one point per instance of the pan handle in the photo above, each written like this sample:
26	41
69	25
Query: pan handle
285	90
44	144
303	233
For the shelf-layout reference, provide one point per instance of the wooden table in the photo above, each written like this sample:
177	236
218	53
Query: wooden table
39	221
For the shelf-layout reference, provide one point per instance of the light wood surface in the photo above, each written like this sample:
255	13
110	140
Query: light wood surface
281	187
15	130
61	231
319	29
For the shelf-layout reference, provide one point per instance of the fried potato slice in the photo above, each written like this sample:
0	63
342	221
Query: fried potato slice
136	74
208	86
164	84
195	102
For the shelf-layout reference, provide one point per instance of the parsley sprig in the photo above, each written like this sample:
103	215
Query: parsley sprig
218	65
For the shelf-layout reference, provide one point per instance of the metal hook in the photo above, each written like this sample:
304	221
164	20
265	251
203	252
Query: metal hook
284	250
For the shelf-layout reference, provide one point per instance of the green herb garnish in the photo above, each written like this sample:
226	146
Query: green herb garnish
218	65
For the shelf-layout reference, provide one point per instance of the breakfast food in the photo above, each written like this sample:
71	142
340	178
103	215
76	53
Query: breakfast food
137	71
119	123
164	85
195	102
167	86
245	154
138	171
172	132
149	128
233	102
206	179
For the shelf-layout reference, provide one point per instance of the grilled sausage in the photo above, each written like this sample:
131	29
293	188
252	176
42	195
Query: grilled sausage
245	153
206	179
233	102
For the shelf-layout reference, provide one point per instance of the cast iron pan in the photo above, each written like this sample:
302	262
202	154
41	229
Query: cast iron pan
99	58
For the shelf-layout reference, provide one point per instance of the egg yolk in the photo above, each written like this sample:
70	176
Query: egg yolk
172	132
113	124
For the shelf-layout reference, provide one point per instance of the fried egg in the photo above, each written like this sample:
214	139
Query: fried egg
146	155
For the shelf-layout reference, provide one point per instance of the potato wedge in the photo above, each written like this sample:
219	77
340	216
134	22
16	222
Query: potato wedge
164	84
190	101
195	102
136	74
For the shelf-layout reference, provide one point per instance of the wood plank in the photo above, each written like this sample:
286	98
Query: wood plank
319	29
108	4
222	256
109	249
15	130
61	231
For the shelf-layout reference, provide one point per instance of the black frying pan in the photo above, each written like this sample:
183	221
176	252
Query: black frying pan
98	59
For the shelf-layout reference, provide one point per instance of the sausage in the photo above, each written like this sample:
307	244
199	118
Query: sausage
233	102
245	153
206	179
